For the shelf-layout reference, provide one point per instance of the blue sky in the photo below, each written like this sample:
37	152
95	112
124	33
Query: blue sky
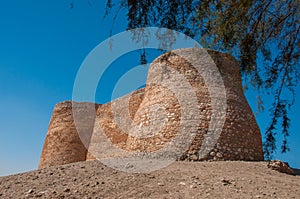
42	45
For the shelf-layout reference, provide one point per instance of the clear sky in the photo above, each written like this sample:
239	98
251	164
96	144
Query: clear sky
42	45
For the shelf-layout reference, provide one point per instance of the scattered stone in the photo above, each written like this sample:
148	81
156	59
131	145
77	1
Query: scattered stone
280	166
151	176
226	182
193	186
30	191
219	155
128	166
40	194
194	158
67	190
160	184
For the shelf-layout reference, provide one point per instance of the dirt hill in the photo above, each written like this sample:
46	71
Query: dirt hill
91	179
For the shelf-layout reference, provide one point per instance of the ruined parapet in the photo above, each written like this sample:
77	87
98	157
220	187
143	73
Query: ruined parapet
240	138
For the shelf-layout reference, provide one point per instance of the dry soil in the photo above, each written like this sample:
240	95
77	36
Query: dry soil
180	180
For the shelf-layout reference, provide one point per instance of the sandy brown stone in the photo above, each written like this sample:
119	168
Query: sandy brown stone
240	138
280	166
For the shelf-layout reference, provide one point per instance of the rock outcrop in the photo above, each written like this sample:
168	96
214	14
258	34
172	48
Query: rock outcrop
167	109
280	166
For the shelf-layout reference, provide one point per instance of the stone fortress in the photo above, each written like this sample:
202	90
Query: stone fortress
239	139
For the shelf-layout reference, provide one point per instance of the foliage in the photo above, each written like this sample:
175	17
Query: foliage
263	35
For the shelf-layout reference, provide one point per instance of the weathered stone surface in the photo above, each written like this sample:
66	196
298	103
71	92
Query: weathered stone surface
156	112
63	144
280	166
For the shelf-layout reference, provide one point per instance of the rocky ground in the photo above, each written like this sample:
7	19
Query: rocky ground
180	180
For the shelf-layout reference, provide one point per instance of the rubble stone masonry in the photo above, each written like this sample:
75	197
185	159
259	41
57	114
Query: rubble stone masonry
158	110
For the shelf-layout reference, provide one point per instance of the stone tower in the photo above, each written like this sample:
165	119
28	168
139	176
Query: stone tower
160	109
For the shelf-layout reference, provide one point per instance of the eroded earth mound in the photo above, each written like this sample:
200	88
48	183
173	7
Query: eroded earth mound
216	179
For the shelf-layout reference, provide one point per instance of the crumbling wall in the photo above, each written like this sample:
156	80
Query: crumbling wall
240	138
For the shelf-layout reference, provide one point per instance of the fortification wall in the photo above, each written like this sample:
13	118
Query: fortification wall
240	138
62	144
